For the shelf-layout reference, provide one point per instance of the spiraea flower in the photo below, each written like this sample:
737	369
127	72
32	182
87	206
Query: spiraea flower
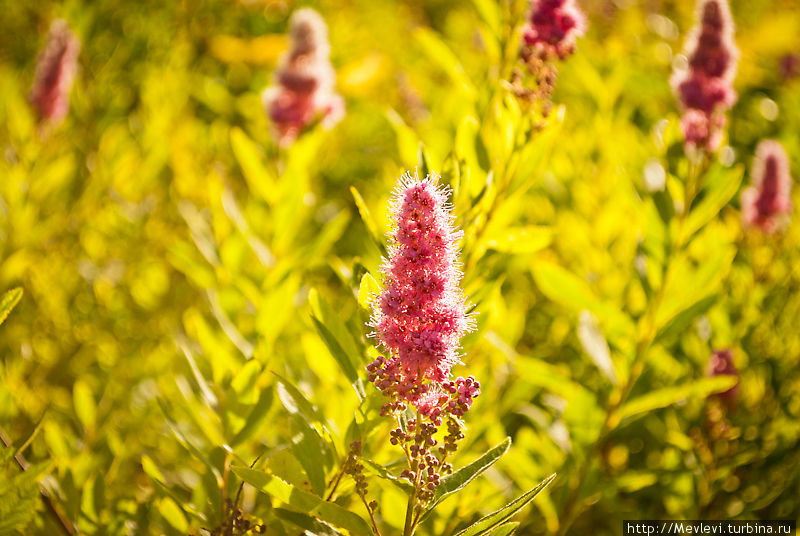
553	28
705	89
721	363
303	86
55	73
767	203
419	319
421	314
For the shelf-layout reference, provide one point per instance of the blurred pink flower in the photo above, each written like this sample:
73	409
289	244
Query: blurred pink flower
706	88
421	314
721	363
55	73
767	203
553	27
303	89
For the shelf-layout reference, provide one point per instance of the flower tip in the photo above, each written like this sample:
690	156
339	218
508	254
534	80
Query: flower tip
767	203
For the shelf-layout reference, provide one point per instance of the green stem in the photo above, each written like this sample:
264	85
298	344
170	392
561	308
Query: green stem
571	507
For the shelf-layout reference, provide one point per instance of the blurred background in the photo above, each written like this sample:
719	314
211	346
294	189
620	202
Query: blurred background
161	237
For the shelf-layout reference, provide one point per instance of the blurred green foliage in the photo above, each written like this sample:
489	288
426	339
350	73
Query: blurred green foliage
195	298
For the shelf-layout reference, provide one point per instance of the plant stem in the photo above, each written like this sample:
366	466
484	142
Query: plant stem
408	529
63	523
647	336
335	483
371	515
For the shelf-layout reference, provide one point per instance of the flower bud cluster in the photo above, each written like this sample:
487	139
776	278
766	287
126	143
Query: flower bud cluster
303	89
236	523
55	73
767	203
705	89
446	401
355	469
550	34
553	28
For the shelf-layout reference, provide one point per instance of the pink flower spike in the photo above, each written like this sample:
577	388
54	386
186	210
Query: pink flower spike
303	85
553	27
706	87
420	316
767	203
721	363
55	73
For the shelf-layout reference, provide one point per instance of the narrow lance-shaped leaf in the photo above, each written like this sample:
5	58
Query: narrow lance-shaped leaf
368	289
458	480
259	179
256	418
341	358
383	473
500	516
722	186
10	452
680	321
667	396
311	451
8	301
366	217
307	523
424	161
505	529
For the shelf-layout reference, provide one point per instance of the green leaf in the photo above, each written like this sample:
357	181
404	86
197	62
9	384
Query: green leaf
456	481
504	530
311	451
680	321
303	501
341	358
722	185
256	418
440	54
260	181
407	140
661	398
368	289
337	339
307	523
173	514
528	239
8	453
563	287
18	499
490	13
8	301
384	473
568	290
205	389
85	407
496	518
424	161
366	217
689	286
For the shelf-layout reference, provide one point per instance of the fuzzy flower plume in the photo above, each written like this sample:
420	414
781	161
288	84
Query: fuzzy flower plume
55	73
303	86
420	316
553	28
705	89
767	203
419	319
